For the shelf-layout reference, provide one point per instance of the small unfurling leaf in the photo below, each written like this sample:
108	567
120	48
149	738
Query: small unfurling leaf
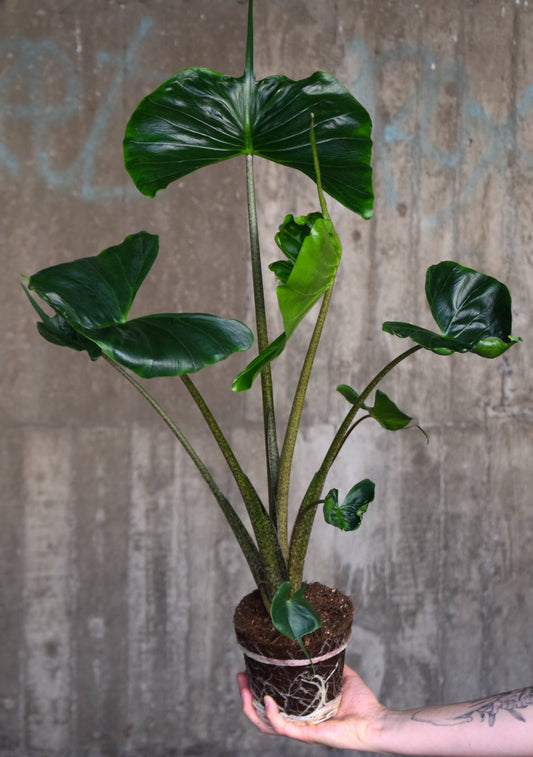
348	516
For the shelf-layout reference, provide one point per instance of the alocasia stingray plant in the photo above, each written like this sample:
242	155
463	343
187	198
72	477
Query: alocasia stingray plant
199	117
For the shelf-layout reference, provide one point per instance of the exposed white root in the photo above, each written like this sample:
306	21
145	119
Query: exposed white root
310	689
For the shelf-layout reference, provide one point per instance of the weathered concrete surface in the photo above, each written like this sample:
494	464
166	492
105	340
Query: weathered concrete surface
118	574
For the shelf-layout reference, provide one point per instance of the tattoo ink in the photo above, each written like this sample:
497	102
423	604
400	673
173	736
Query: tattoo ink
487	709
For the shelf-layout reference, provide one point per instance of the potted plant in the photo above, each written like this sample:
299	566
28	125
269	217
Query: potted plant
293	635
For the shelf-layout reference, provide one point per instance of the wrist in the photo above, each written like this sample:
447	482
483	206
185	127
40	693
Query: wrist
383	734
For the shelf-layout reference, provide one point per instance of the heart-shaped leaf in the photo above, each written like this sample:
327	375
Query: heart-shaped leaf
473	311
92	298
293	616
98	291
349	515
200	117
468	305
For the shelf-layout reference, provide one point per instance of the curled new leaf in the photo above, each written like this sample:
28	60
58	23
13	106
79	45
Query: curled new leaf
313	252
313	249
472	310
348	516
290	238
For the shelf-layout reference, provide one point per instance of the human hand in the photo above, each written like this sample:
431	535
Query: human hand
359	712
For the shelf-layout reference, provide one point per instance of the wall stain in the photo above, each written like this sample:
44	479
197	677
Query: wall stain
497	141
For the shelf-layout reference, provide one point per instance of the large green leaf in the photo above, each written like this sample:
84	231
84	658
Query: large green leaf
92	298
98	291
172	344
349	515
200	117
473	311
312	268
293	616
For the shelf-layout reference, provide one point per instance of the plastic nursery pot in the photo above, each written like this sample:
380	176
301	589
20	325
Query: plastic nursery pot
276	665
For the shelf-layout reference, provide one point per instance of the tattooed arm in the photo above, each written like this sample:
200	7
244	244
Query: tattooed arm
500	725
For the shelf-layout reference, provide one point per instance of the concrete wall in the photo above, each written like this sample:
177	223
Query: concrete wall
119	575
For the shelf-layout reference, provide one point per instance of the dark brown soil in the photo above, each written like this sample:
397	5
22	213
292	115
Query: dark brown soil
301	692
255	631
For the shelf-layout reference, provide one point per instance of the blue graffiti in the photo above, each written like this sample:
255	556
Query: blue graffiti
411	124
29	62
496	137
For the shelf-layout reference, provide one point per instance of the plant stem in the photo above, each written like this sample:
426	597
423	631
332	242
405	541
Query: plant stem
293	424
265	532
244	539
306	513
269	420
301	531
344	430
318	177
249	64
243	482
291	433
271	553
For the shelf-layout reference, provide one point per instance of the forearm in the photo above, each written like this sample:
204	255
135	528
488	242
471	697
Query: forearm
501	725
497	726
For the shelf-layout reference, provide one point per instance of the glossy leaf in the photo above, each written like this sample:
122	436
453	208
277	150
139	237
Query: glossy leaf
314	266
385	411
58	331
293	616
92	298
292	234
313	250
388	414
246	377
349	515
492	346
472	310
468	305
98	291
200	117
438	343
172	344
282	269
